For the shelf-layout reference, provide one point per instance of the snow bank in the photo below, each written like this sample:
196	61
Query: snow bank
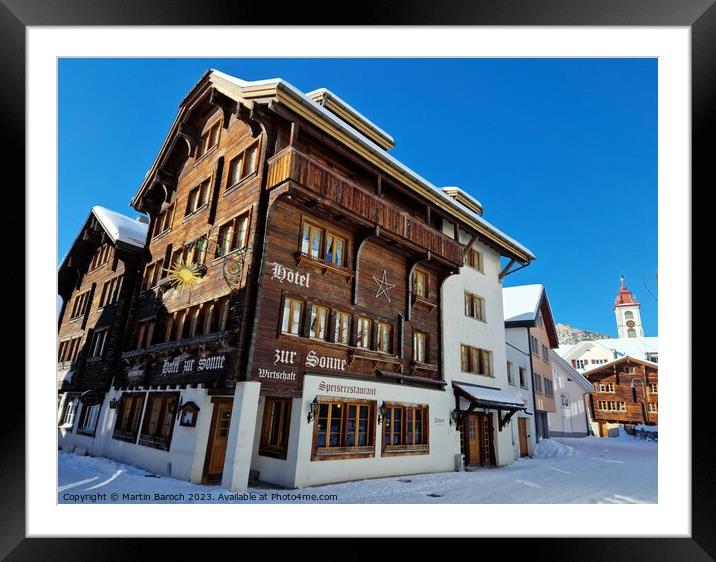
552	448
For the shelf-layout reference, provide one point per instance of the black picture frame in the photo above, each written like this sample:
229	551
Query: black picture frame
699	15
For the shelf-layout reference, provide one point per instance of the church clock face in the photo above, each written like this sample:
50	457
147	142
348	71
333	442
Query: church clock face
630	323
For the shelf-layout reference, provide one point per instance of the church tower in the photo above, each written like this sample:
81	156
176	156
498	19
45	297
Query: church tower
626	309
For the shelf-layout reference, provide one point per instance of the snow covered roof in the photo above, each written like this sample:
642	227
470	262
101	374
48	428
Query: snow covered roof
272	87
619	347
572	374
121	228
522	303
325	97
599	369
464	198
490	396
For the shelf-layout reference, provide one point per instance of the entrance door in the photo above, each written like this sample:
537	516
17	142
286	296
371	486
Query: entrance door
522	425
218	439
566	424
472	440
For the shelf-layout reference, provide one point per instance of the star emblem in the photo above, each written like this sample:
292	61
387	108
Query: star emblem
383	285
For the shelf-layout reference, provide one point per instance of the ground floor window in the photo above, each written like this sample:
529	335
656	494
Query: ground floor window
275	428
88	419
68	416
405	428
344	428
129	412
159	420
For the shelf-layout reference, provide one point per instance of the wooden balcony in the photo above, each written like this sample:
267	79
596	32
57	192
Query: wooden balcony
290	164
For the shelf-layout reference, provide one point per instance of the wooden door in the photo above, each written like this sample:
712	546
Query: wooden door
472	439
522	426
218	440
487	452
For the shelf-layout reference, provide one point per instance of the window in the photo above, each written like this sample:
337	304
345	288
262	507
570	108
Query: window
129	413
208	140
110	291
159	420
545	353
548	387
653	388
523	377
198	197
144	334
510	376
69	349
151	275
597	361
581	363
292	314
474	306
88	419
163	222
653	357
538	383
631	333
385	337
101	256
363	337
68	417
81	305
335	250
232	235
420	353
629	315
605	387
653	407
534	345
319	319
341	327
420	284
475	360
243	165
312	240
474	259
98	340
612	406
275	428
345	428
564	399
405	428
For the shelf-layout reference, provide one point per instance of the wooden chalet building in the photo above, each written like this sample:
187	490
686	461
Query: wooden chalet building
626	392
288	320
95	282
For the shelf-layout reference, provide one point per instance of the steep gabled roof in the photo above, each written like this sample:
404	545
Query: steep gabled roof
521	305
573	374
278	91
601	370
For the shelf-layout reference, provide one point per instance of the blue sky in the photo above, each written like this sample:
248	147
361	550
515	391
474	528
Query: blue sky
562	153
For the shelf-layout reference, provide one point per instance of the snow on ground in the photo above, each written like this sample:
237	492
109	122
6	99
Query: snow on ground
552	448
596	471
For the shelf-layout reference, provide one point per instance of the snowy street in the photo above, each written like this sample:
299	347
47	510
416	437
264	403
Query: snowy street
587	470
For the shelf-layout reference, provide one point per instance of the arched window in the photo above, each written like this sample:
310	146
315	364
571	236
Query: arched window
628	315
631	333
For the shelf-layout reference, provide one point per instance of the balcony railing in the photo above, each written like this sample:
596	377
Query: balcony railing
290	164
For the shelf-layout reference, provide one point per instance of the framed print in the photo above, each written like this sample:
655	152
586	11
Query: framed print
266	297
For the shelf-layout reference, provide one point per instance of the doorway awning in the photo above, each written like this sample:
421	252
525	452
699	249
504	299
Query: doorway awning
491	399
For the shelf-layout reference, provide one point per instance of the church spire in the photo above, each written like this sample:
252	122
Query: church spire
628	314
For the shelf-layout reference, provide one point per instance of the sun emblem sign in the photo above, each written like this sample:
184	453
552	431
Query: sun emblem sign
184	275
383	286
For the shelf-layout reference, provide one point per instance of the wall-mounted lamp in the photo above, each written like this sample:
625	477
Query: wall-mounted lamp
113	404
313	410
453	417
381	414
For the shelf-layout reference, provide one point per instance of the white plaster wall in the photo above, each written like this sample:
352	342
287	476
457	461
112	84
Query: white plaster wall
185	458
588	353
458	328
575	413
444	439
517	352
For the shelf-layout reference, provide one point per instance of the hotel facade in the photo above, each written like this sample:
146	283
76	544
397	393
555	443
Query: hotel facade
307	309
